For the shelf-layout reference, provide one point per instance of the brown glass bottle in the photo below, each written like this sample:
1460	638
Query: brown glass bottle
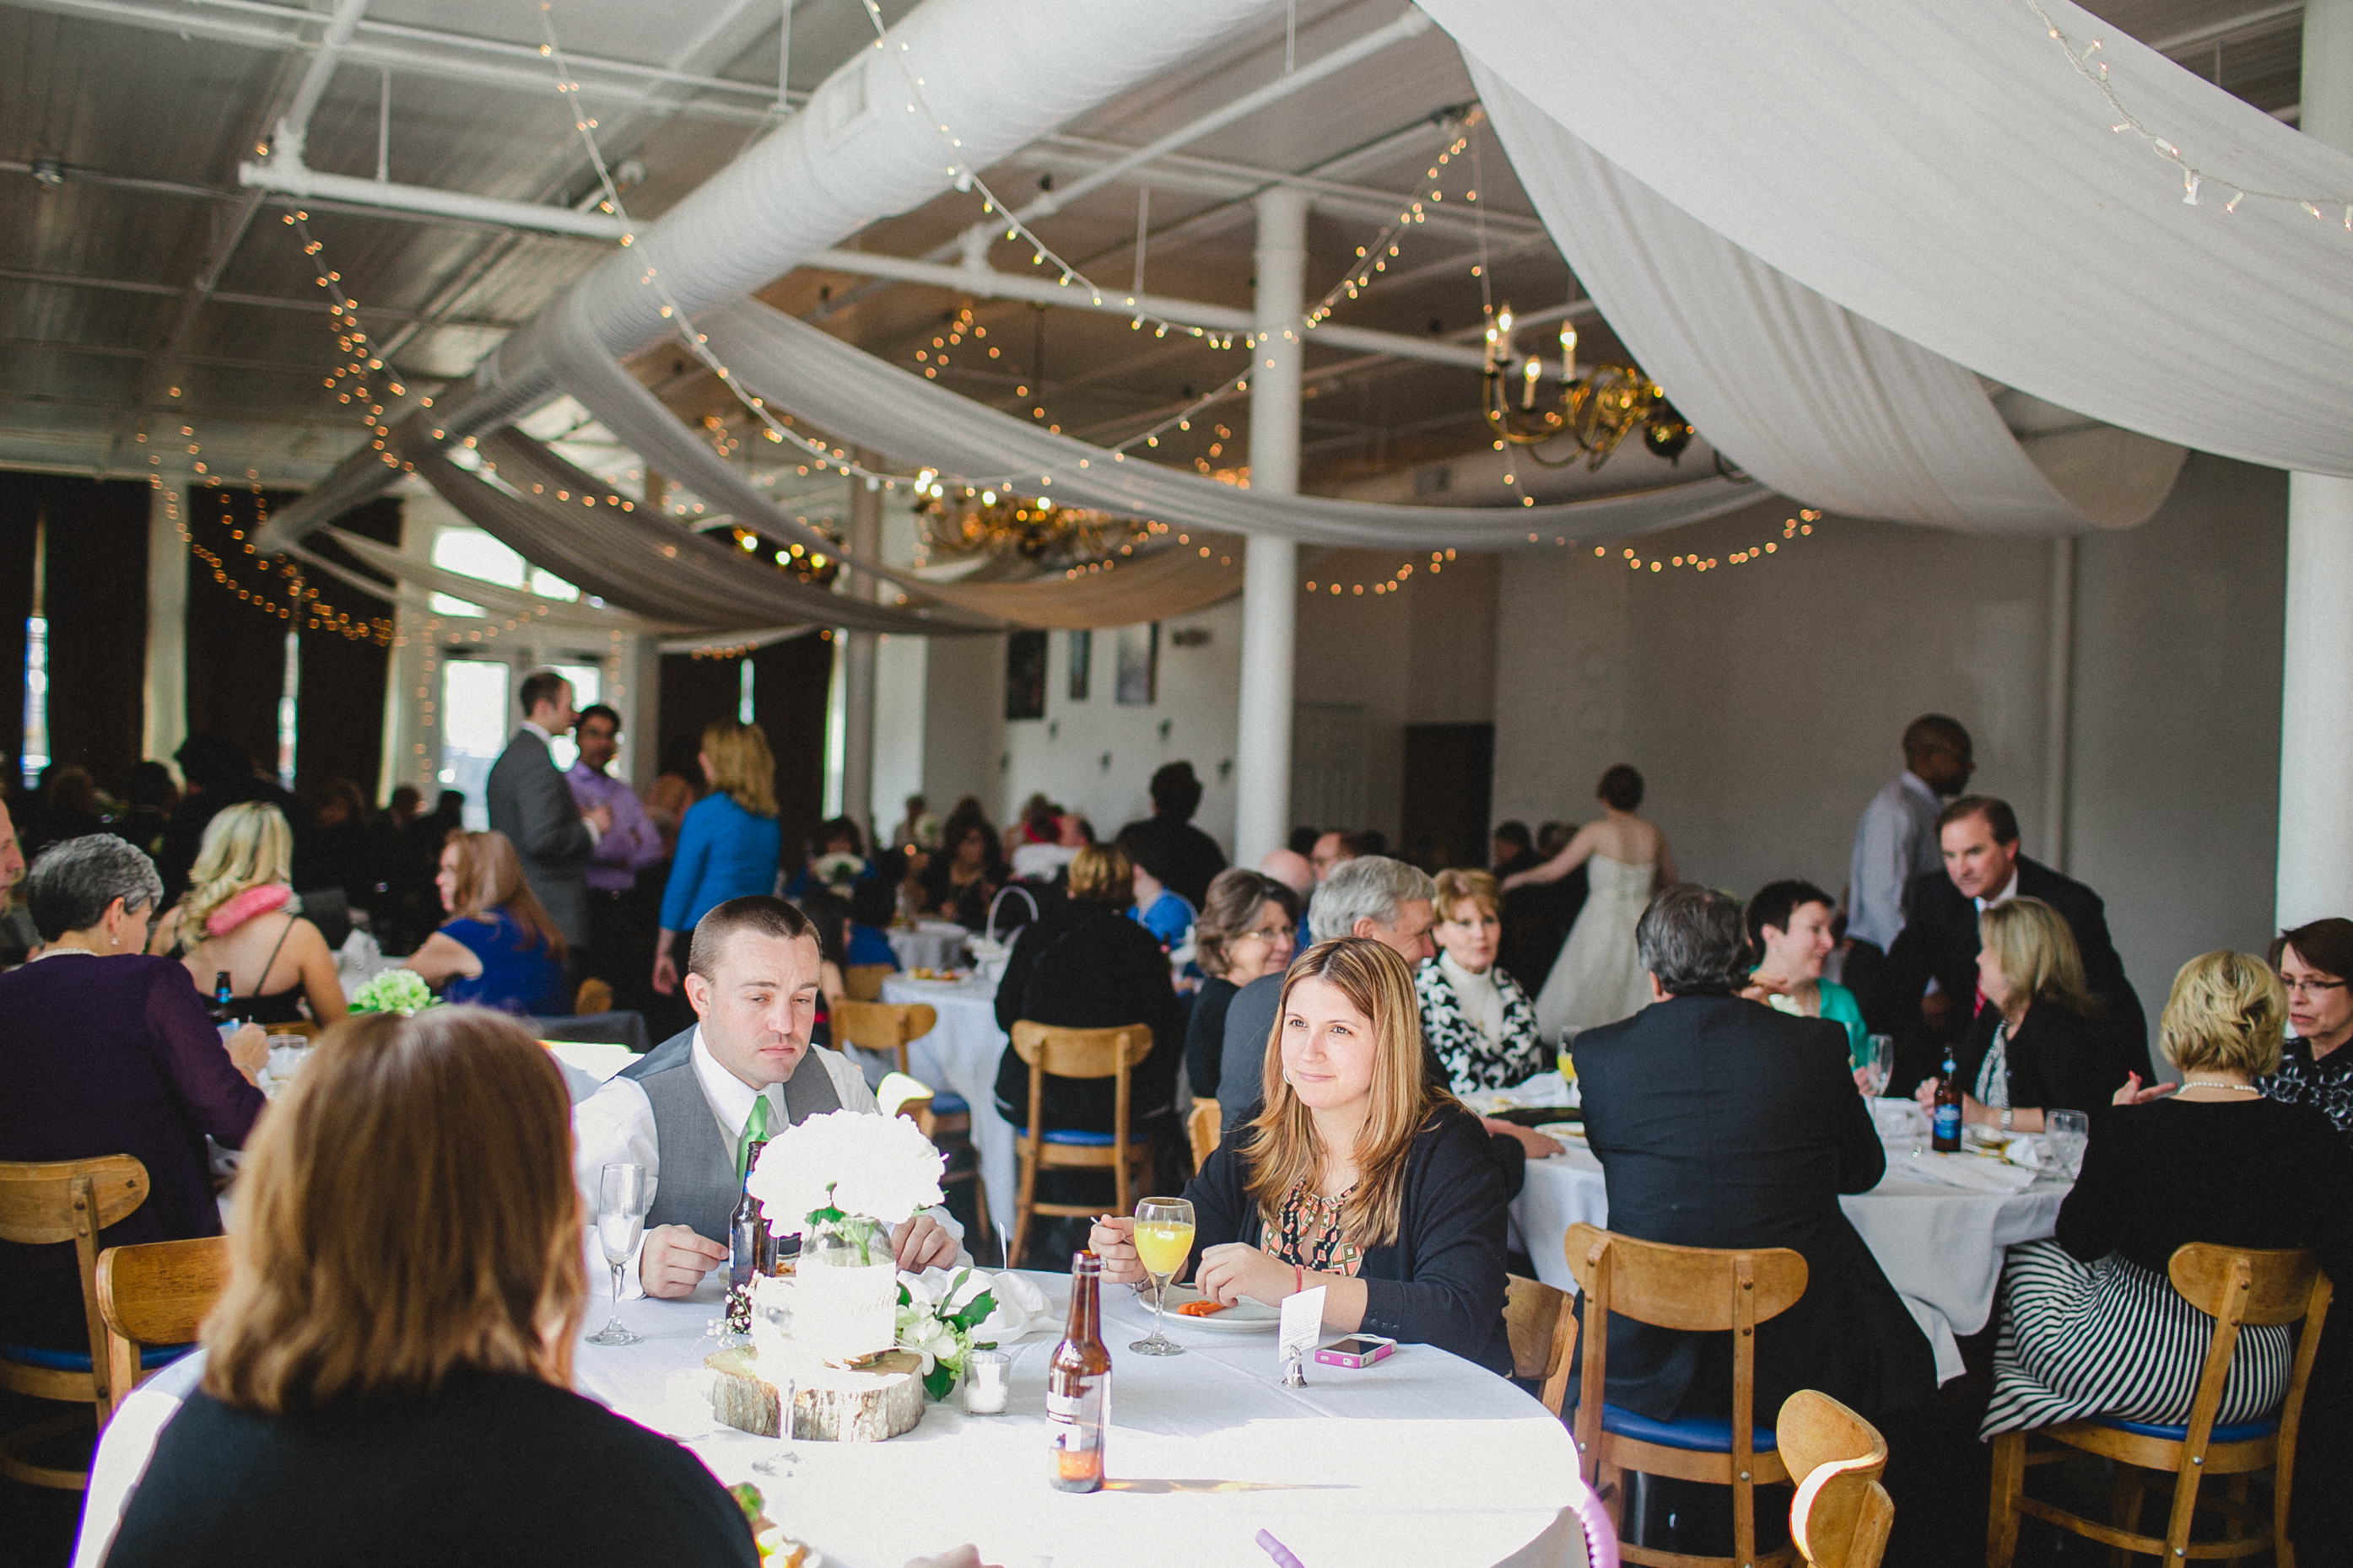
1077	1385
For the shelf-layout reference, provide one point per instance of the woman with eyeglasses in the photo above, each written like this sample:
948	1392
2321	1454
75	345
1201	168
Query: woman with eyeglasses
1244	931
2314	962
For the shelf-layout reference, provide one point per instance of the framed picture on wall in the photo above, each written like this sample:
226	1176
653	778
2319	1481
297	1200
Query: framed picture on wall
1136	653
1083	659
1025	675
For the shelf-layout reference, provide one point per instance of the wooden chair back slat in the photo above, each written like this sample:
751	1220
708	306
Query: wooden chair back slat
37	1200
1841	1518
1814	1430
1201	1130
155	1293
1693	1288
2278	1284
1080	1052
1541	1323
864	980
884	1027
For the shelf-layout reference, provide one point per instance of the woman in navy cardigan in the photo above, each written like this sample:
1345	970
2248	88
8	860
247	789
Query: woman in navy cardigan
1359	1175
729	845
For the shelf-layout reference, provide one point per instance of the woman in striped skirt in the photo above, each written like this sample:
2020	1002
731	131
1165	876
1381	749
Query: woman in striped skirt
2090	1324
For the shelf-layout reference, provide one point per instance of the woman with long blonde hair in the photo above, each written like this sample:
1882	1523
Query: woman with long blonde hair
2036	1045
729	845
500	947
388	1376
1359	1176
237	918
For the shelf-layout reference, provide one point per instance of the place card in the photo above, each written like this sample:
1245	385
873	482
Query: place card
1302	1325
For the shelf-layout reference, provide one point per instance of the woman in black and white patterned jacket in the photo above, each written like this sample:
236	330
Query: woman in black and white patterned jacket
1475	1016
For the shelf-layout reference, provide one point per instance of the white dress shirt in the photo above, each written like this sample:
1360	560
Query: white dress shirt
615	1126
1894	842
2009	891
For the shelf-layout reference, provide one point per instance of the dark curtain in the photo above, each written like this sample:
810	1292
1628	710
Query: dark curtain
96	600
790	681
237	624
340	691
19	507
694	692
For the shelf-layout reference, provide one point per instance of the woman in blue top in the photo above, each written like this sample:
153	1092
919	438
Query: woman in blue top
729	845
498	948
1790	931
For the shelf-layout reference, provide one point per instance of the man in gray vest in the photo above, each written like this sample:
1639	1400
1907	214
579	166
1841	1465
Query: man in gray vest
690	1109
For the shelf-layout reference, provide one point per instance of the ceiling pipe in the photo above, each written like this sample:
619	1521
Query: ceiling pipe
294	125
288	175
997	76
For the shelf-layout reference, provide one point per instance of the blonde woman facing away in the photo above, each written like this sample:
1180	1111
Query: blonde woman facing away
388	1377
236	920
729	845
1359	1175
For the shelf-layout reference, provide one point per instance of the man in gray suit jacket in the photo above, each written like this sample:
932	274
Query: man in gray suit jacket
531	804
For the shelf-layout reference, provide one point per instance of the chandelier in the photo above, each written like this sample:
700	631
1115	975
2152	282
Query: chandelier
1036	530
1597	410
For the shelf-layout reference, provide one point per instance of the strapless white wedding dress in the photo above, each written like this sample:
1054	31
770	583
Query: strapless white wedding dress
1597	979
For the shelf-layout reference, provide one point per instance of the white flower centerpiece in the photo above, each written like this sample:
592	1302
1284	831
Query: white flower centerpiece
839	1181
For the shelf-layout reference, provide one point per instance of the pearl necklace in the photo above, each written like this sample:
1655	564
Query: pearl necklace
2232	1087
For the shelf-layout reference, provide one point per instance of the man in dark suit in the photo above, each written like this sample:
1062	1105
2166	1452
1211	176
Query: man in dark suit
1721	1123
531	803
1978	837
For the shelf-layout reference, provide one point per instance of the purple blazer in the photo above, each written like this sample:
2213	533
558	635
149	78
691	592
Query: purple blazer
109	1056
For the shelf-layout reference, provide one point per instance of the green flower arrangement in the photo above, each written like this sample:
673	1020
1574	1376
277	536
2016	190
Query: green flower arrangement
938	1315
401	991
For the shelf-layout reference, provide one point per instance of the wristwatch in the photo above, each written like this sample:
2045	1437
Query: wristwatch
2005	1118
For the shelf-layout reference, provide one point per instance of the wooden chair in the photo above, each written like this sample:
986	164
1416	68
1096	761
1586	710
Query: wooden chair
917	1108
1201	1130
1542	1324
864	980
1056	1052
2238	1288
1841	1516
886	1028
42	1204
1697	1290
595	995
155	1294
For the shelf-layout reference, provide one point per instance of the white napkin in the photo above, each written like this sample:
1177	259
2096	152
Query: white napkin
1966	1170
1021	1308
1546	1088
1899	1119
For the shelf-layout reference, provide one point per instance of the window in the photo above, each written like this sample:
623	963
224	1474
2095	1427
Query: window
588	687
473	554
475	715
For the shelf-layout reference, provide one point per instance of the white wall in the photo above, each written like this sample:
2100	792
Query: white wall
1764	703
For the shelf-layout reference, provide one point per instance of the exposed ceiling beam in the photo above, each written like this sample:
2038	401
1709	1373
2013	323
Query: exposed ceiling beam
118	351
290	176
223	297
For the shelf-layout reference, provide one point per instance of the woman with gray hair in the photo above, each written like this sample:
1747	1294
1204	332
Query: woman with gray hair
109	1051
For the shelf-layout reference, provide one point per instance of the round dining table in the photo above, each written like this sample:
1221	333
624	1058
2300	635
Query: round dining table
936	945
1422	1458
961	1056
1940	1245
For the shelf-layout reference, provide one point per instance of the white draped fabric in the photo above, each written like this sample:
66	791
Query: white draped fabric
1937	167
1823	406
417	582
856	397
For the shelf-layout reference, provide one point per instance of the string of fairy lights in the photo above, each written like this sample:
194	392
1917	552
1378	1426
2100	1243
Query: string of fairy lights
2194	179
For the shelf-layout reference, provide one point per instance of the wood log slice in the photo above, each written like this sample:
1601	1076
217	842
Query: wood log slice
872	1405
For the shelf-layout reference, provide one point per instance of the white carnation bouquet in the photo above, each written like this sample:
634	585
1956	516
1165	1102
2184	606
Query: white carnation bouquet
846	1174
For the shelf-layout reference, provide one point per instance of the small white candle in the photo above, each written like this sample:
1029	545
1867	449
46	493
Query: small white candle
988	1374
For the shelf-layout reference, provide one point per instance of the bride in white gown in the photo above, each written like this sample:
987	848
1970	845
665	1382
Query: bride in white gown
1597	978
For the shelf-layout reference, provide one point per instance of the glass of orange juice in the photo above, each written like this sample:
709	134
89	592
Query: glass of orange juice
1164	1240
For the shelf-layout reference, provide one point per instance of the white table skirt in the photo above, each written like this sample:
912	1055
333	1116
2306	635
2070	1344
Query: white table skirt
935	945
1423	1457
961	1056
1941	1248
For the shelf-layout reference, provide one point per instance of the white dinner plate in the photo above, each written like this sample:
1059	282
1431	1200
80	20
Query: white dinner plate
1566	1132
1244	1317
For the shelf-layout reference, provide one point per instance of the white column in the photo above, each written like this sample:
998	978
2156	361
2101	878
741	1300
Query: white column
1270	570
2315	817
858	655
164	724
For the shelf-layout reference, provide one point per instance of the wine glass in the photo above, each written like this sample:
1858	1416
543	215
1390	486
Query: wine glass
624	1192
2064	1134
1164	1239
1881	1066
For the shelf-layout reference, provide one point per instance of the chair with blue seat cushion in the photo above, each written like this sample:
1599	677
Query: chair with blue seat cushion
1053	1051
2239	1289
152	1299
1694	1290
50	1204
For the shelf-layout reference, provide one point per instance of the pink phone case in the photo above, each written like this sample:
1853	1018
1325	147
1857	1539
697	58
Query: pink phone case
1381	1347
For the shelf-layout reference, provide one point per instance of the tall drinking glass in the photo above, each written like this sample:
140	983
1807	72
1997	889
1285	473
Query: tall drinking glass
624	1194
1881	1066
2064	1134
1164	1239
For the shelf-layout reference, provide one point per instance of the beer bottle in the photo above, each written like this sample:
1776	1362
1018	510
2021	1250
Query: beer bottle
1077	1385
1945	1128
224	1008
748	1245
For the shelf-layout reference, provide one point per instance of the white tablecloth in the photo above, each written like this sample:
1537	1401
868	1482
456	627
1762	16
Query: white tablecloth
928	944
960	1056
1940	1247
1422	1458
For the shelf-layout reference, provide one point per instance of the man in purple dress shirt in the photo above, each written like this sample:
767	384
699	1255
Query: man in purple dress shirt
620	929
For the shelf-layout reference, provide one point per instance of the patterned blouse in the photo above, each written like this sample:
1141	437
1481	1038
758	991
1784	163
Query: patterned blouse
1307	1232
2326	1083
1474	1060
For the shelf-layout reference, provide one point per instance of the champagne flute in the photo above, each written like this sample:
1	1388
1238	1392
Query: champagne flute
2064	1134
1880	1067
1164	1239
624	1194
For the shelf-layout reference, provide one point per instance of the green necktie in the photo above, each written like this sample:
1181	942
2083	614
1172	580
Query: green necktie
755	1130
